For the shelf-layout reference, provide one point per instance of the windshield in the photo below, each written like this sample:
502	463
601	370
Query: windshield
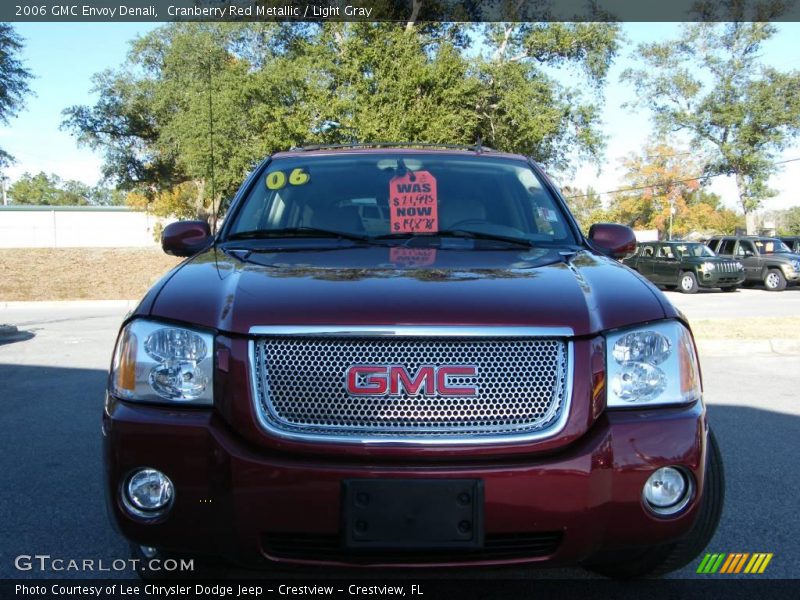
771	246
383	195
698	250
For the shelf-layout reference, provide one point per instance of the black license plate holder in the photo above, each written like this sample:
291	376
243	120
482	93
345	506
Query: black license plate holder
412	513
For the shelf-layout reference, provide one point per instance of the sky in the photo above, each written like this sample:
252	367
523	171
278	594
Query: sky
64	56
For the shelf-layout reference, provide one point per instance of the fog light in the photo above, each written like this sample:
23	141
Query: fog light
148	551
667	491
148	493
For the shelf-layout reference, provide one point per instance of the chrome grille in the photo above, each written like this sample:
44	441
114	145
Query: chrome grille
300	384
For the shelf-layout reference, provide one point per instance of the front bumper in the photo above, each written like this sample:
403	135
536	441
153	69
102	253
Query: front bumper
720	279
255	506
791	275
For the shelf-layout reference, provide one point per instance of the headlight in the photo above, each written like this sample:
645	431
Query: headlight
796	265
707	266
652	365
155	362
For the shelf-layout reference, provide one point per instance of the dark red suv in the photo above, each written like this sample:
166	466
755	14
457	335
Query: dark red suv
409	356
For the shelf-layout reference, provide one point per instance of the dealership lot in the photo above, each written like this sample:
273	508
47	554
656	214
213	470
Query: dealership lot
51	387
741	304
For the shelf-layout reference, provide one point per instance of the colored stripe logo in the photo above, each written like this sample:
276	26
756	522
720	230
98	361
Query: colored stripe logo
737	562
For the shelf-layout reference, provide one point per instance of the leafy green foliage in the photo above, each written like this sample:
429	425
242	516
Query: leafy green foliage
710	84
50	190
271	86
788	221
13	80
585	205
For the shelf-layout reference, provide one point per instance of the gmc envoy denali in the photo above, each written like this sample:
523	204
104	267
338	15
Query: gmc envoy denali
401	355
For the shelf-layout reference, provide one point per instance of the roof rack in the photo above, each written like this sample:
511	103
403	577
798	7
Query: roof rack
473	148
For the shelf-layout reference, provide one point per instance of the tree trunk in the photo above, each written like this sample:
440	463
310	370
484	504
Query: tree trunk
749	214
200	210
415	6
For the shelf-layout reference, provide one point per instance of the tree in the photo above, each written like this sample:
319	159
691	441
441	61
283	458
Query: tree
40	189
185	90
271	86
384	82
787	220
178	201
586	206
523	109
667	195
710	84
45	189
101	195
663	179
13	80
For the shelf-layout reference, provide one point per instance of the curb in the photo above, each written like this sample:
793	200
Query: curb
734	347
55	304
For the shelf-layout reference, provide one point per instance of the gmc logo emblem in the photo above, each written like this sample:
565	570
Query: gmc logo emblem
394	380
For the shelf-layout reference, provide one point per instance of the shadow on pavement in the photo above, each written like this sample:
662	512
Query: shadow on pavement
15	336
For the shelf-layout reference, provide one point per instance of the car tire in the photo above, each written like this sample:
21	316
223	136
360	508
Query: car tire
774	280
688	283
654	562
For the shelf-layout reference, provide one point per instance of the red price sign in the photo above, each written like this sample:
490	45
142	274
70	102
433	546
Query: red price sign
413	203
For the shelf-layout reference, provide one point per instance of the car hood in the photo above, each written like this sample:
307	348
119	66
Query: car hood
708	259
232	291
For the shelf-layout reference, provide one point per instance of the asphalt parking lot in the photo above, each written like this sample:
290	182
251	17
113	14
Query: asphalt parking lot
743	303
51	388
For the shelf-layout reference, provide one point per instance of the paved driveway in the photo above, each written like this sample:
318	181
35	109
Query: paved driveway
743	303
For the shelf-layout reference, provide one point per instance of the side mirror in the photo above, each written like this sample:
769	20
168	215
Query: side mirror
617	241
185	238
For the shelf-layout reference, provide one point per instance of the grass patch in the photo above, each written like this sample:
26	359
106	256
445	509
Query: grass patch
751	328
80	273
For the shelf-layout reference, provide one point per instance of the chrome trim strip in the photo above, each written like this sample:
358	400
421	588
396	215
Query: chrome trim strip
410	441
413	330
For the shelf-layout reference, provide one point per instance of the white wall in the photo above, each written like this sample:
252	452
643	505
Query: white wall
646	235
75	227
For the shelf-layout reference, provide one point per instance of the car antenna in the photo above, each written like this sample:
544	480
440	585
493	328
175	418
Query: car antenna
211	151
213	178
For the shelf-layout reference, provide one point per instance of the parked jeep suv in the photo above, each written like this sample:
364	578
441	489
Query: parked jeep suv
766	260
400	356
685	265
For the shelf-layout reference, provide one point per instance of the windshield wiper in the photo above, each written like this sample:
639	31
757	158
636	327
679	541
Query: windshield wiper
256	234
463	233
260	234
